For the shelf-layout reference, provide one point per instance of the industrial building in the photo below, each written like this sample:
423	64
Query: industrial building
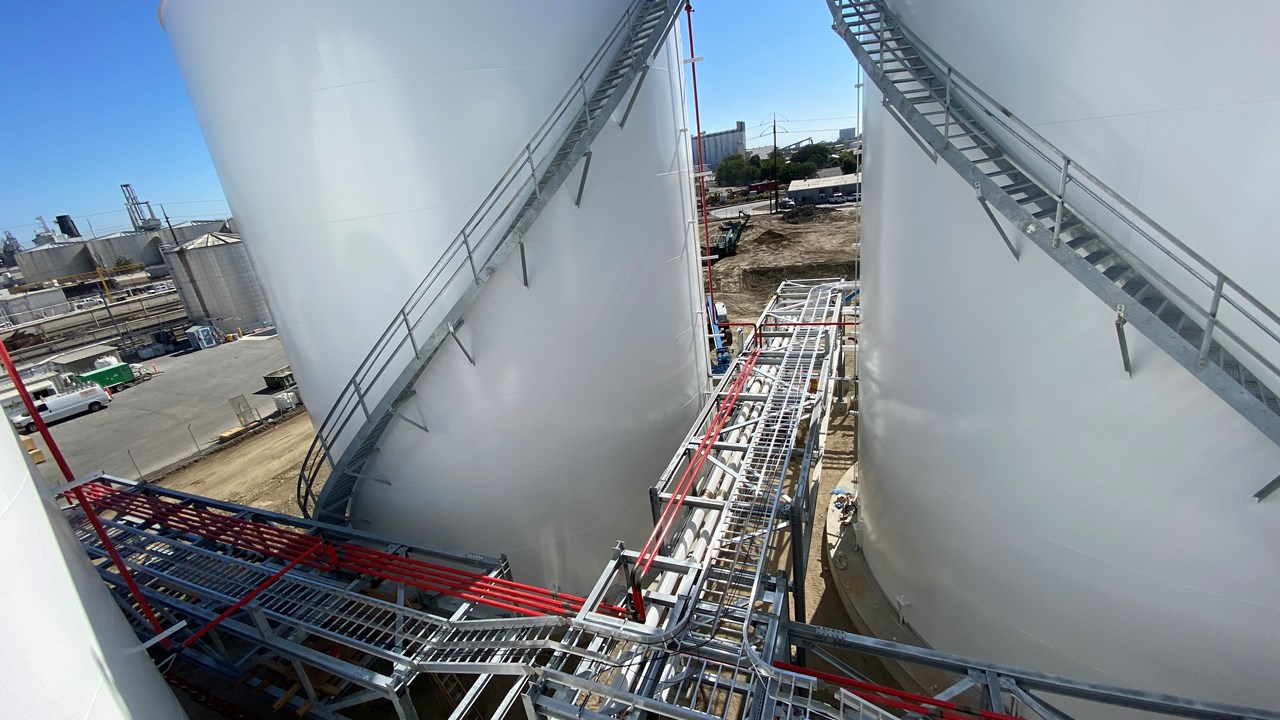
1063	499
216	282
817	191
18	308
55	260
720	145
66	259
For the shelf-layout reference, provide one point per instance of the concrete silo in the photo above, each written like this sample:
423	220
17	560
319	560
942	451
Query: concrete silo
1023	498
355	145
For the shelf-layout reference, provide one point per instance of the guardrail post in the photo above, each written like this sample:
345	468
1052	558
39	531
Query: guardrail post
533	170
408	326
1062	199
360	399
1211	321
466	245
946	125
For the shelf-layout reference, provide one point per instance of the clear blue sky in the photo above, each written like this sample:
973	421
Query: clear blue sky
90	97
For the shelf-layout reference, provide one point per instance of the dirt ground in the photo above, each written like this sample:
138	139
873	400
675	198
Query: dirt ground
260	471
774	249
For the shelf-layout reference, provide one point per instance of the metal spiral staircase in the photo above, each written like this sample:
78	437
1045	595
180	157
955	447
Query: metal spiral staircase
369	402
1191	310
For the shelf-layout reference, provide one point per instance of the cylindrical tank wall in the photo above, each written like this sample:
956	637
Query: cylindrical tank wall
217	284
354	144
1023	499
69	652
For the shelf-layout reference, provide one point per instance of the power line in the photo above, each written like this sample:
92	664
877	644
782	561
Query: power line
838	117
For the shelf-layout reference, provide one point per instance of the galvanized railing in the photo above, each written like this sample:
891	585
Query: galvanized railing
1212	284
466	260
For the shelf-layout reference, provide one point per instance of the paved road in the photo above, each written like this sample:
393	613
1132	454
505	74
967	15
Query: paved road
151	419
731	211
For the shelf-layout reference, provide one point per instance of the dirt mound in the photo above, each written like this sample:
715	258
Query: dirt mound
772	237
767	277
805	213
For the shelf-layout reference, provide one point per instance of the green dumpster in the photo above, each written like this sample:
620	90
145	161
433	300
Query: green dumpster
109	377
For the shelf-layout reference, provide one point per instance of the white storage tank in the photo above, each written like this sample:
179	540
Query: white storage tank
70	653
353	143
1024	500
217	284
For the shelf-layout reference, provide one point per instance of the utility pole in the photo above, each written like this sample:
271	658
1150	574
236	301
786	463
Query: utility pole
173	237
106	304
775	164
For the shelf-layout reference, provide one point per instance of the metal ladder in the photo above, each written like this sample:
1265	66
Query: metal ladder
743	536
1061	207
369	402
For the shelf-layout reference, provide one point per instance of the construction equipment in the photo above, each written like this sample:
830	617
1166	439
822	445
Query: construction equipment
725	244
720	337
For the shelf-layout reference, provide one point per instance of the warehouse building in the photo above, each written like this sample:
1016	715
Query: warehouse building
818	190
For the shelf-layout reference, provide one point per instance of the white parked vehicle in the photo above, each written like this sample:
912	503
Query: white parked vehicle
83	398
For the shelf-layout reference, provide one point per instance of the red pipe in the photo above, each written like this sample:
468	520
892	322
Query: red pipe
221	537
278	542
702	181
110	547
35	416
250	596
901	699
56	452
650	550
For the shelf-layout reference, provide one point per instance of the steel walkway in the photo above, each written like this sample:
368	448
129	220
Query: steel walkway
694	625
1191	310
368	403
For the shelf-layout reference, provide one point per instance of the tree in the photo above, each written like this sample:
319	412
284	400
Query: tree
850	162
796	171
818	153
735	170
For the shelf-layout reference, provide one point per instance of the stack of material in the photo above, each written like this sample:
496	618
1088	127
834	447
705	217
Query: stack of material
33	452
